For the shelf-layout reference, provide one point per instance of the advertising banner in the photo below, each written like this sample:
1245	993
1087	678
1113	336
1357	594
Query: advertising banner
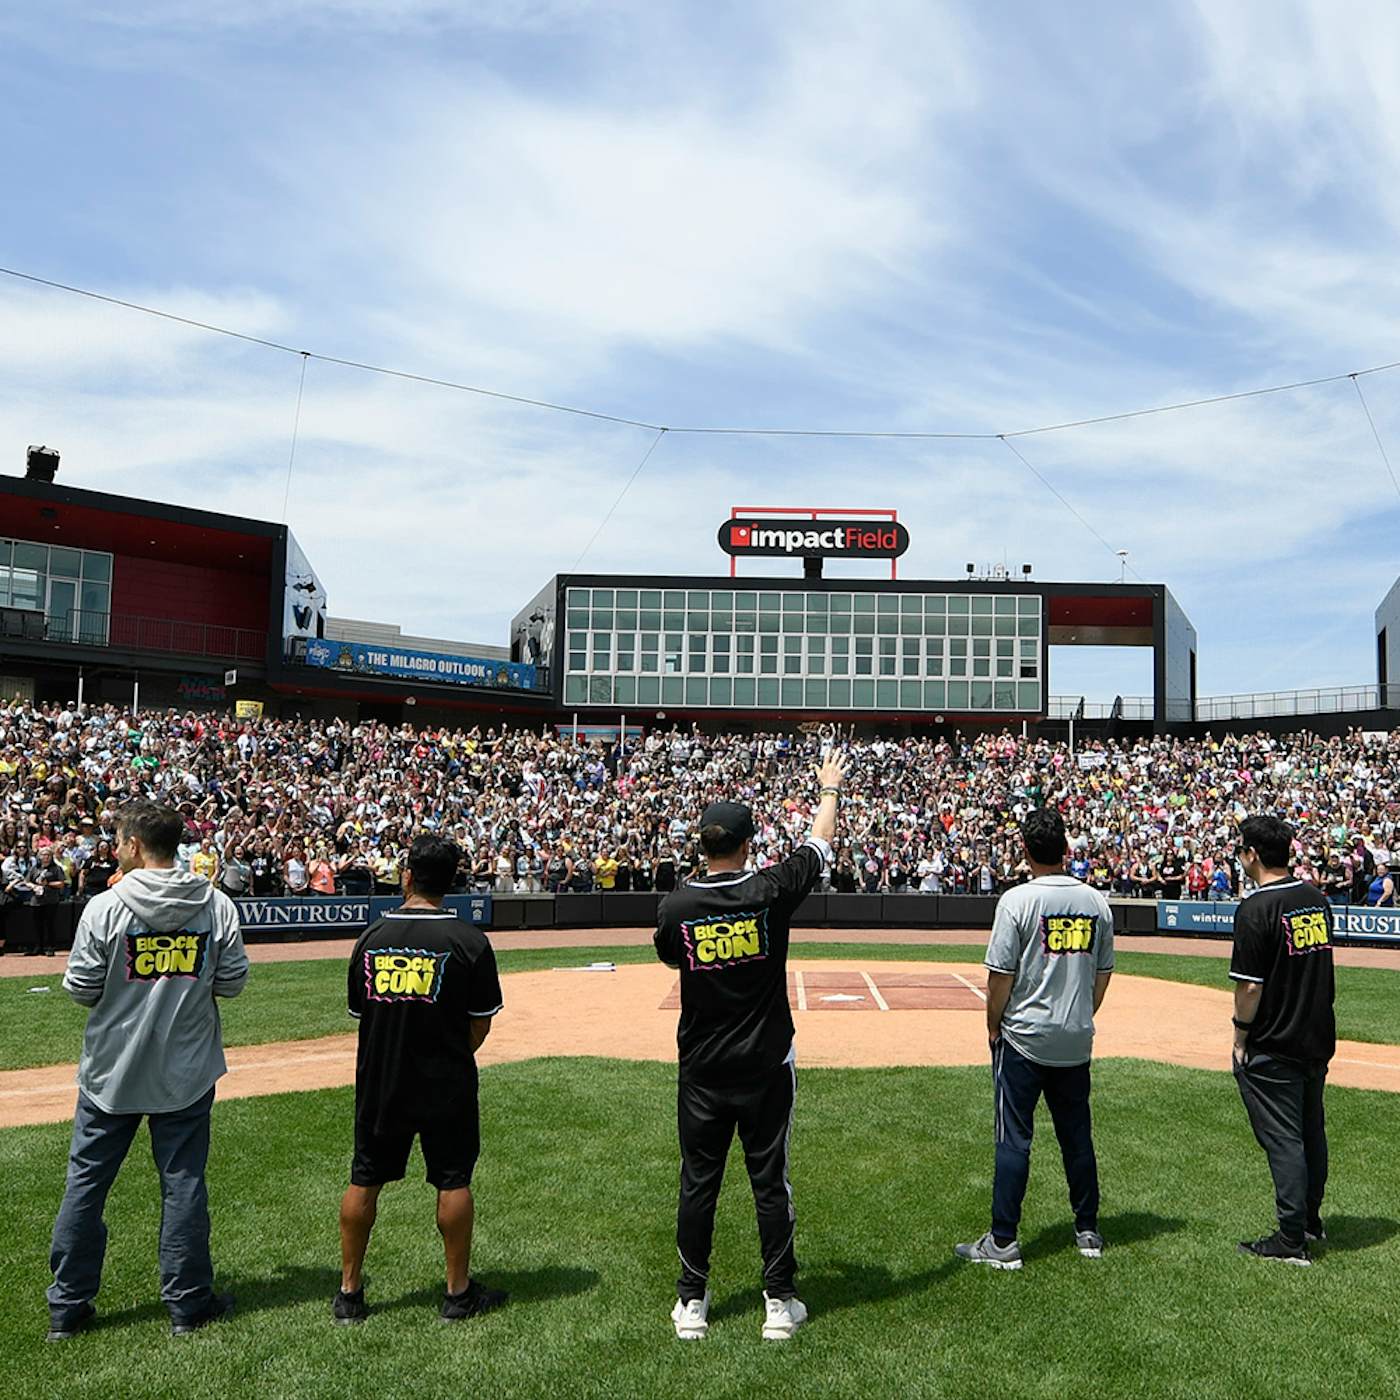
358	658
1350	923
332	915
248	709
773	538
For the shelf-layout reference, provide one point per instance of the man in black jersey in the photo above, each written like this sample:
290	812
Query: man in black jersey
727	932
1285	1031
423	986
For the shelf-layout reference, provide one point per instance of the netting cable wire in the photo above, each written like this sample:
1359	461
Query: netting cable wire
296	427
553	407
612	509
1064	501
1375	432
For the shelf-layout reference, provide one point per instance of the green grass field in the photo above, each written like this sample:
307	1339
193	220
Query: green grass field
306	1000
575	1196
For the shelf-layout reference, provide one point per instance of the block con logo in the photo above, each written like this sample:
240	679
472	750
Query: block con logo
735	939
404	974
1067	933
154	957
1305	931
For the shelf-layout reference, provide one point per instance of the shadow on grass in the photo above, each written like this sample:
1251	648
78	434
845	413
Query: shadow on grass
525	1286
284	1289
1348	1232
1130	1227
839	1285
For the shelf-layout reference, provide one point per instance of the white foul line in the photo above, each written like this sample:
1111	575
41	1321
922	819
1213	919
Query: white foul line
801	992
875	992
971	986
1370	1064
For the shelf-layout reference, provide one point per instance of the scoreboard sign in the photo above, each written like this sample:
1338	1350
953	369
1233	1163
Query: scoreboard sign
774	538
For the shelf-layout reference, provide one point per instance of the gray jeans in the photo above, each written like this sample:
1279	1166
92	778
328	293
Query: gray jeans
180	1146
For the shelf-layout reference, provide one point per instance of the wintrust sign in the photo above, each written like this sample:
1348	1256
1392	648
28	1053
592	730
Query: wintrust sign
803	539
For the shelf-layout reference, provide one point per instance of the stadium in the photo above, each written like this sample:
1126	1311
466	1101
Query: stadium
502	693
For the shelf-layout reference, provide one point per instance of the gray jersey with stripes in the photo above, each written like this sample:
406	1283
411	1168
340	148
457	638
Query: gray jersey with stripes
1054	935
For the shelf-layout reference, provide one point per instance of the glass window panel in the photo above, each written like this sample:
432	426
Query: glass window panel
1005	627
578	640
840	656
697	691
33	557
673	599
839	693
887	624
575	690
769	622
602	597
673	653
1005	607
912	603
651	661
1028	695
957	605
981	605
673	619
577	598
1003	696
819	603
744	655
935	695
911	695
697	621
887	605
936	626
626	619
793	622
957	665
794	602
745	620
649	690
627	651
627	597
1006	667
578	617
957	695
887	695
865	657
5	548
1029	648
792	660
1028	670
721	619
698	598
602	619
26	586
791	694
770	602
650	598
1028	606
1028	626
814	693
600	690
698	657
981	696
722	692
650	641
720	646
958	625
981	646
578	661
626	690
96	600
672	690
981	666
863	602
935	604
981	626
863	695
1006	648
744	691
602	651
909	662
864	623
910	626
768	656
65	563
768	691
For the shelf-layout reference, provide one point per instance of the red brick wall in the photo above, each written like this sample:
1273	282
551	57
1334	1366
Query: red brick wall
187	593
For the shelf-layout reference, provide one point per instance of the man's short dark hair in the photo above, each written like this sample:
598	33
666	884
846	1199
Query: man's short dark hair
1270	838
433	862
158	828
1044	834
719	841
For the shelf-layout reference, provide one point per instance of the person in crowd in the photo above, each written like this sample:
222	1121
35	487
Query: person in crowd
50	882
1380	894
205	861
99	872
236	874
423	986
1285	1032
321	871
295	875
150	958
1049	962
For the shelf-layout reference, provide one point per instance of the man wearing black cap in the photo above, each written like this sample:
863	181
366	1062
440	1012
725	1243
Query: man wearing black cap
727	932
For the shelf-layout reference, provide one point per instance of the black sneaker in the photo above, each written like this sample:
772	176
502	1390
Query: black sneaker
349	1308
1316	1233
1277	1248
457	1307
66	1328
219	1307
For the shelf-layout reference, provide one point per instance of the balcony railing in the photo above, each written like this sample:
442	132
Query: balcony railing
128	632
1264	704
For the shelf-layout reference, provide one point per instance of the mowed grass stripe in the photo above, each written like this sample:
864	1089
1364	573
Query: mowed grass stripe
306	1000
576	1194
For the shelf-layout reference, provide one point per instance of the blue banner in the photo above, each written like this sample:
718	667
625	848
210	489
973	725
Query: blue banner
329	916
360	659
1350	923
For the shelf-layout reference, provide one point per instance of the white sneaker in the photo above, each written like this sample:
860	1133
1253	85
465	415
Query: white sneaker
692	1319
782	1317
988	1251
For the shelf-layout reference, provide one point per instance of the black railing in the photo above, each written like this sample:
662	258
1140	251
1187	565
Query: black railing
128	632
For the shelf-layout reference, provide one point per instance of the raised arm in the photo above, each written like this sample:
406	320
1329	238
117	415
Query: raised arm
831	775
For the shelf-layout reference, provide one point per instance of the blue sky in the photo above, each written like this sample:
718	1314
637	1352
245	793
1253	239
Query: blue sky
904	216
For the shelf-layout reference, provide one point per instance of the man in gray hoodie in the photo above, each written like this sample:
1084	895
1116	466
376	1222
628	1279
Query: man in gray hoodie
149	957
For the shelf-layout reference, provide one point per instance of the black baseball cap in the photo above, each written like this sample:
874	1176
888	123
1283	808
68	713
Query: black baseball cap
733	817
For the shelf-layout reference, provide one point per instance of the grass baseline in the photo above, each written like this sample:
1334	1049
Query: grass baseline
306	1000
576	1194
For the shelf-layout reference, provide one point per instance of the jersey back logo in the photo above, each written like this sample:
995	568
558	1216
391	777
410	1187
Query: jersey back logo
404	974
725	941
1067	933
154	957
1305	931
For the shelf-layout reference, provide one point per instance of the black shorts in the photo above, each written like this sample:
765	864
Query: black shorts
450	1150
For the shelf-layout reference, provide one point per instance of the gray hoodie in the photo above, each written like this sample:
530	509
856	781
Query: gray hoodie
149	957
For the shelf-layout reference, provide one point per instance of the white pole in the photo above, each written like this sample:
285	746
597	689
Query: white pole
80	690
575	726
1071	736
135	691
622	736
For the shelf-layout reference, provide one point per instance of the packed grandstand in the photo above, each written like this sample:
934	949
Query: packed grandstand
319	807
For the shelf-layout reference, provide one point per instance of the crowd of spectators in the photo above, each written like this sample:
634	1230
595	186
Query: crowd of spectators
308	807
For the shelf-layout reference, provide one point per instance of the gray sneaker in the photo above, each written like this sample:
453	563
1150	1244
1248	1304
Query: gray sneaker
988	1251
1089	1243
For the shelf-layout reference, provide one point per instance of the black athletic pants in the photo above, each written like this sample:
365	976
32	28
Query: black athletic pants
1284	1101
1019	1082
708	1114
